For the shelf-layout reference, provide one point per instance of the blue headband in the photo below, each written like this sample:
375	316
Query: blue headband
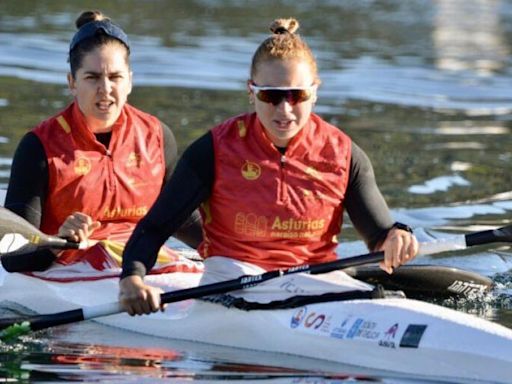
91	28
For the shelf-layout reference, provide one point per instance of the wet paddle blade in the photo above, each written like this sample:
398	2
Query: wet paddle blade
18	236
426	281
499	235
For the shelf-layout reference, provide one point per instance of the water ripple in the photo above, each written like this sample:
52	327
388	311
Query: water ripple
222	62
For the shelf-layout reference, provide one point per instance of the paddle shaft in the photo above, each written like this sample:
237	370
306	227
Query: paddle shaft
247	281
45	321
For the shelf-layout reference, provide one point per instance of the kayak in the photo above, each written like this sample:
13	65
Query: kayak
395	335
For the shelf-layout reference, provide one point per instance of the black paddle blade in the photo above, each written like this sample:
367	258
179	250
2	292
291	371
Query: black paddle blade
13	327
18	236
425	281
500	235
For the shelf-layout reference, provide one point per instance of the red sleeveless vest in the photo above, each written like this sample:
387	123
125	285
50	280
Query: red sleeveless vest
115	185
276	210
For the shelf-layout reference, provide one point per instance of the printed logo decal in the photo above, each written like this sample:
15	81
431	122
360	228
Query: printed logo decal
412	336
251	171
340	331
82	166
250	224
118	212
389	337
314	321
298	317
466	288
355	327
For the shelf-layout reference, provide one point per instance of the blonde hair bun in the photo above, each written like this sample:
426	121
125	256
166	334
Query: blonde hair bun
280	26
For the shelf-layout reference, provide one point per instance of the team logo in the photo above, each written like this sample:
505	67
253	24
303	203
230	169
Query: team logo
251	171
82	166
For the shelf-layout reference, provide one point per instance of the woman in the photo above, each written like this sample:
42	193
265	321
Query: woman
272	185
94	169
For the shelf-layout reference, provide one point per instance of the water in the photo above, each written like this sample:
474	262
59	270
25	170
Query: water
424	87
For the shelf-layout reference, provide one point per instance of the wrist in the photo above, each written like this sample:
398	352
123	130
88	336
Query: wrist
402	226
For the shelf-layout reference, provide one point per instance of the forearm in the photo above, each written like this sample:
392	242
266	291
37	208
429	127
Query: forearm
26	194
364	202
28	182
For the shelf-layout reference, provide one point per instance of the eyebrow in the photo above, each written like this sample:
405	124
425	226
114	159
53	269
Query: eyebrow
100	73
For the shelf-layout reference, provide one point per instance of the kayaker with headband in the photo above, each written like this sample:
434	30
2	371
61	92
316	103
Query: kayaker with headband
93	170
272	185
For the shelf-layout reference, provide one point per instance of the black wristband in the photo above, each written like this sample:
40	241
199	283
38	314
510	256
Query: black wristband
402	226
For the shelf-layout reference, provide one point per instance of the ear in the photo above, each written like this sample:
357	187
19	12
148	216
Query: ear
314	97
249	91
130	79
71	84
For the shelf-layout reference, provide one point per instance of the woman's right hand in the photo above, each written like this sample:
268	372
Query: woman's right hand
137	298
78	227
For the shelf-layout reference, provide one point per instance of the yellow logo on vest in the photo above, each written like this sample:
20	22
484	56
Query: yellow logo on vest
251	171
118	212
313	173
297	229
242	130
250	224
82	166
133	160
253	225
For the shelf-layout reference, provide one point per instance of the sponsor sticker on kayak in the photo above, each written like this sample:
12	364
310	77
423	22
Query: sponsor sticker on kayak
412	335
310	320
384	333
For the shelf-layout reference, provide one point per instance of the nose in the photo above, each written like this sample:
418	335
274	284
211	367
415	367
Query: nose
105	85
284	105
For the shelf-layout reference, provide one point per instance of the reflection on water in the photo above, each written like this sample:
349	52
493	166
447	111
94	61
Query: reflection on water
62	356
425	88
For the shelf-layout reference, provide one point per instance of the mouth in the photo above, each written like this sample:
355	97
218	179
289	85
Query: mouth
283	124
104	106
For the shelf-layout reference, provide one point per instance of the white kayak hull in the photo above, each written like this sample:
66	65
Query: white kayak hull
395	335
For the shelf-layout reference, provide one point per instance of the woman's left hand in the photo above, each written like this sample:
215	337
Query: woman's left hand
399	248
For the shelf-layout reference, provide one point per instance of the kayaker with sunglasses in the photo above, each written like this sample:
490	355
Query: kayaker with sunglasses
272	185
83	174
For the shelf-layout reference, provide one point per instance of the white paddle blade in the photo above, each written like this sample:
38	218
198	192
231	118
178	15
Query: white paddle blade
11	242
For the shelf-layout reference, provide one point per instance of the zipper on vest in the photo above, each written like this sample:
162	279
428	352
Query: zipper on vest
110	178
283	194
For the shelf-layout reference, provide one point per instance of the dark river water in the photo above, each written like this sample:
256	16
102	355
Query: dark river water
424	87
